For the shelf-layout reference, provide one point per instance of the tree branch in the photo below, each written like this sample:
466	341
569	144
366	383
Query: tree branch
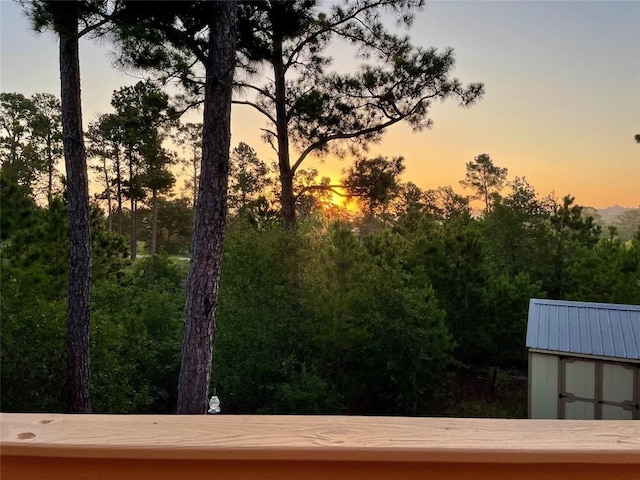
189	41
343	136
376	128
261	91
90	28
329	188
327	28
257	107
269	136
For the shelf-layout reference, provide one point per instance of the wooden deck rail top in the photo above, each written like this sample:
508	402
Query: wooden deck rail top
29	440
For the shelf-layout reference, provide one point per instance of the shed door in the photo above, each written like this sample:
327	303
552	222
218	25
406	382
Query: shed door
598	390
577	389
618	396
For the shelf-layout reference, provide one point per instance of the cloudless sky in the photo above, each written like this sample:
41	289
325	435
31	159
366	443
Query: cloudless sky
562	101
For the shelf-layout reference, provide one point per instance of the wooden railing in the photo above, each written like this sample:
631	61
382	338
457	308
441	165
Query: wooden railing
227	447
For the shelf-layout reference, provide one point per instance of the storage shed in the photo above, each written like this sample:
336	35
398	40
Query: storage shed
584	360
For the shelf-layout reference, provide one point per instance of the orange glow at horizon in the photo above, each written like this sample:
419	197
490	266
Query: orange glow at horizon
339	198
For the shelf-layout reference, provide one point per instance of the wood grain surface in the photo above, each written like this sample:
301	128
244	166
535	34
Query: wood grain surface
286	446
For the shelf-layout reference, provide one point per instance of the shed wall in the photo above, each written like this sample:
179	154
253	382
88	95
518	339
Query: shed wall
543	385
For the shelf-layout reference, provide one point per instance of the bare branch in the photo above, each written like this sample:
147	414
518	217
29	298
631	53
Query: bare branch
329	188
93	27
269	136
257	107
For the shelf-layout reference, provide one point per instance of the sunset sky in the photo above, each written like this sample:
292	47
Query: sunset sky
562	101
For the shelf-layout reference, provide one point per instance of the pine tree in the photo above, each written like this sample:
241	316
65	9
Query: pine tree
485	178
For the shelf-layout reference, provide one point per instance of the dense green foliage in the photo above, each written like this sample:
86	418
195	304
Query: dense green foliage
375	315
348	332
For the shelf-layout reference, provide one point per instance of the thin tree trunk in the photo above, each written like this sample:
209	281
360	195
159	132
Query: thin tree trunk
494	378
288	200
195	179
211	209
134	230
118	189
15	142
49	172
154	222
78	297
107	184
132	202
287	197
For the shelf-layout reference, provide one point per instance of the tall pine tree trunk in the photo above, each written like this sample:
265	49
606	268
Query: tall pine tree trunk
206	250
287	197
78	297
154	222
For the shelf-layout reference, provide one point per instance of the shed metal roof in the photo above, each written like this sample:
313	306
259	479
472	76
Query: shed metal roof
603	329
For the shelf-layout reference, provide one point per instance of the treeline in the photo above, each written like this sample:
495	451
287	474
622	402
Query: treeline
373	310
139	151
